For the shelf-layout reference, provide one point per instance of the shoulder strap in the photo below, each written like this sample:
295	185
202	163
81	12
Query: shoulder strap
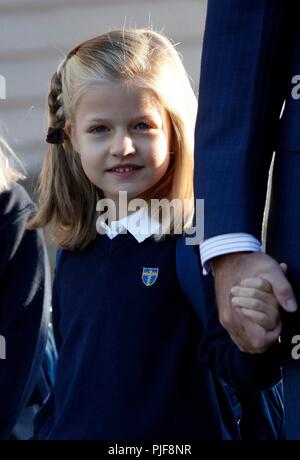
189	275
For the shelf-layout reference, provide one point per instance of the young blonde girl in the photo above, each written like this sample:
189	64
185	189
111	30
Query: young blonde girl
121	119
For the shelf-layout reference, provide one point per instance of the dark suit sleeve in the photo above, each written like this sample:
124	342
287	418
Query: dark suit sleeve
243	83
24	304
244	371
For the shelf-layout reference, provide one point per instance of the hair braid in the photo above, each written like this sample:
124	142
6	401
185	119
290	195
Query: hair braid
55	101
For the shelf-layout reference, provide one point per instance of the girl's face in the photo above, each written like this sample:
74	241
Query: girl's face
123	137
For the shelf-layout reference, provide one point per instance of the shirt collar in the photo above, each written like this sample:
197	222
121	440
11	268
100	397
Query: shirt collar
139	224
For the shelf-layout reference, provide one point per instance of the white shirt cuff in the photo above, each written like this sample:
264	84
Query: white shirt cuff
226	244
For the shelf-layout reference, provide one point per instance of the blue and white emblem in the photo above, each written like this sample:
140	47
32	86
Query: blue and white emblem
149	276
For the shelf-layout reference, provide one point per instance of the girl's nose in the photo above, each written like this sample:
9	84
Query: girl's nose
122	145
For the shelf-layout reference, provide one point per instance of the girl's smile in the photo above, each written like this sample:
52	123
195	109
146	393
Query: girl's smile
125	170
123	137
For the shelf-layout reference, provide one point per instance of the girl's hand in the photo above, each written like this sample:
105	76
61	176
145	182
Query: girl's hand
256	301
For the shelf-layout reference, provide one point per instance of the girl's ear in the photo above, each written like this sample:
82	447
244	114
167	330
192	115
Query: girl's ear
70	131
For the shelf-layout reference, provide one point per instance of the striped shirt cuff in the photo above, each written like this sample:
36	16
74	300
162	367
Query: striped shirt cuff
226	244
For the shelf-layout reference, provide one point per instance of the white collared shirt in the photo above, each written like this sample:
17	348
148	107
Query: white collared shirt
139	224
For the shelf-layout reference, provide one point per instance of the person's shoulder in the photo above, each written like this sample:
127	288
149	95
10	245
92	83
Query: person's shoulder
14	201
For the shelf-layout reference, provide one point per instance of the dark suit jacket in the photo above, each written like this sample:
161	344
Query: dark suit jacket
250	66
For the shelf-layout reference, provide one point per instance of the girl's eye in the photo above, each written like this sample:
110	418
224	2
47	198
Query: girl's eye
143	126
99	129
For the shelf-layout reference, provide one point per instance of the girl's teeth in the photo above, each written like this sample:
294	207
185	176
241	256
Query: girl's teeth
121	170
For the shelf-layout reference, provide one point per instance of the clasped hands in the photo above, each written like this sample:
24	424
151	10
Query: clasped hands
250	288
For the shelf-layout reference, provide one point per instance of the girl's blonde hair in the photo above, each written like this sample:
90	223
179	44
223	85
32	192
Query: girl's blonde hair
141	56
8	173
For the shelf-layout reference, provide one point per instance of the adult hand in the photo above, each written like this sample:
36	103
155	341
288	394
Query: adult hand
229	270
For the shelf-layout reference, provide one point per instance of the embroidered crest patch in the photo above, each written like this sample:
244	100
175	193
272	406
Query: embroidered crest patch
149	276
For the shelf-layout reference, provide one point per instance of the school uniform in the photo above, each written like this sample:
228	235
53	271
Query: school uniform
133	352
24	304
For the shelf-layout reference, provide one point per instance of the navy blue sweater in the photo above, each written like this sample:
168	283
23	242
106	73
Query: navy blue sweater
24	303
128	364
